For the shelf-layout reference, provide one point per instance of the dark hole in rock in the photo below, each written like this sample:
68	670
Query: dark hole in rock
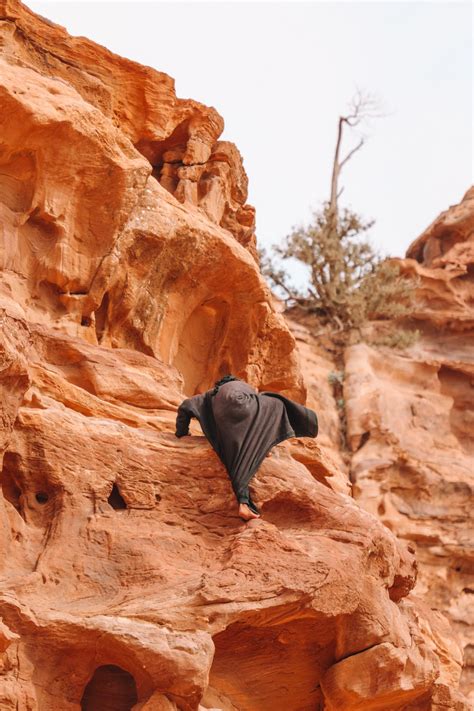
101	318
41	497
157	497
154	150
110	689
365	438
116	499
85	321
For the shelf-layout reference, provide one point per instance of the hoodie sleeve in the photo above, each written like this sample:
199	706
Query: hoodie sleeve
303	420
183	418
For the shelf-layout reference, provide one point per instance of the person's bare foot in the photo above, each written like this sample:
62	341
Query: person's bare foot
246	512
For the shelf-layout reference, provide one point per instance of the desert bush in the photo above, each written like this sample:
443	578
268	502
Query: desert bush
349	283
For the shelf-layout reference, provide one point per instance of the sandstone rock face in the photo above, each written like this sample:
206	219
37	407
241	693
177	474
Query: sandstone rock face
178	137
323	379
90	236
443	259
411	425
127	281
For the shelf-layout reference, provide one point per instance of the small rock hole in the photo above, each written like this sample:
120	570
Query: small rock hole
363	440
116	499
85	321
41	497
157	497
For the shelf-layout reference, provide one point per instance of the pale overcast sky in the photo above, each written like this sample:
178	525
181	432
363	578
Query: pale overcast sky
281	73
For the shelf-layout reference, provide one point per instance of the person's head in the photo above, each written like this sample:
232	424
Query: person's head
223	381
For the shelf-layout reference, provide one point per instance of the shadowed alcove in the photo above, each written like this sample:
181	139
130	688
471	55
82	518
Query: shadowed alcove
283	669
29	490
200	345
110	689
459	386
101	318
116	499
17	179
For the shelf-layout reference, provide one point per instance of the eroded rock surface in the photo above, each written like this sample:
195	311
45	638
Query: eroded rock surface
411	424
409	420
178	137
127	281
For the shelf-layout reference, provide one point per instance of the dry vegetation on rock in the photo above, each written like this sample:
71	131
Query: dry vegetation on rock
349	283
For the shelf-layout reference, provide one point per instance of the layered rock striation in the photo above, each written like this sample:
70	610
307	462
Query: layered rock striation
411	424
408	418
127	281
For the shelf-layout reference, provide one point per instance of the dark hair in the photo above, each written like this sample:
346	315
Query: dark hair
223	381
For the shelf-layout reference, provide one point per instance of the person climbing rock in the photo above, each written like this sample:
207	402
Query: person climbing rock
242	426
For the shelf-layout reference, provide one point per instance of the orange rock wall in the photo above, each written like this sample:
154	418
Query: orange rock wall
409	419
127	280
411	424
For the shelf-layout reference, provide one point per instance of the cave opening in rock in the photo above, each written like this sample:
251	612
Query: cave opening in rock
199	353
116	499
294	654
41	497
175	143
111	688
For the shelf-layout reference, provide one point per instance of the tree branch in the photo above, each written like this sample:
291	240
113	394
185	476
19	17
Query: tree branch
351	153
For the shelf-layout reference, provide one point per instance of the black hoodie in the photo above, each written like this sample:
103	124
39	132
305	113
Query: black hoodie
243	425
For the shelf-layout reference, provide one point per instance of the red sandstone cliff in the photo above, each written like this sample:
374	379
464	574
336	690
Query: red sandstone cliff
409	419
127	280
411	425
